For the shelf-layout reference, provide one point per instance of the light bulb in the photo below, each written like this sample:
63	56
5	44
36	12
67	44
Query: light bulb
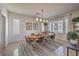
36	19
46	21
40	20
43	20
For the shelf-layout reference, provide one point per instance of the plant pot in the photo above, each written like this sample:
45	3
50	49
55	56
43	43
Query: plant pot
73	42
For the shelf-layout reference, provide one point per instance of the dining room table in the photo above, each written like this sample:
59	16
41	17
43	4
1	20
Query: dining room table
34	37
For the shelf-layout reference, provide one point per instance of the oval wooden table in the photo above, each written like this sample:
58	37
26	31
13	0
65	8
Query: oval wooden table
34	37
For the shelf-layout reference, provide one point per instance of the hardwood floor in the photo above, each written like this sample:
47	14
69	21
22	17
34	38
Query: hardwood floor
45	49
49	48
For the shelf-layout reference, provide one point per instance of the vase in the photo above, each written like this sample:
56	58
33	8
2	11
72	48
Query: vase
73	42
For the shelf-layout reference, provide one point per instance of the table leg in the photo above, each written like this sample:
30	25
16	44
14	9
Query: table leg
67	51
76	52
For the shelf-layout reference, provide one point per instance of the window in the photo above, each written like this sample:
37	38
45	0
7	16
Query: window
28	26
49	27
60	26
42	27
55	26
16	26
66	25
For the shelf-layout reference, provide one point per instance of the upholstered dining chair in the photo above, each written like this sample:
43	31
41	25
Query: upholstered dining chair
40	40
53	36
27	40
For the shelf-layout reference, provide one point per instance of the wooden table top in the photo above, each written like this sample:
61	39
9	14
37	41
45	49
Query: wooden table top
34	37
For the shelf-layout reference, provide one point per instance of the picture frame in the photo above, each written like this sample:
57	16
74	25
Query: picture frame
28	26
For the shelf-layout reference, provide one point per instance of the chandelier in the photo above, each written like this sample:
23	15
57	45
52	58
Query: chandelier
42	20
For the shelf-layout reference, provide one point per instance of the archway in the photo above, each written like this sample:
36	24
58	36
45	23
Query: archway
2	31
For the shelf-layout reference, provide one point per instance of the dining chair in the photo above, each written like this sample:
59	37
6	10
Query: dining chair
41	39
27	40
53	37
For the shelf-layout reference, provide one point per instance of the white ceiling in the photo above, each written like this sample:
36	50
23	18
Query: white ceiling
50	9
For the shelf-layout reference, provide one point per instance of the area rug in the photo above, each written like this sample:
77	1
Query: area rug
47	48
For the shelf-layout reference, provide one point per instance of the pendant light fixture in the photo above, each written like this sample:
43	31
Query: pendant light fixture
42	19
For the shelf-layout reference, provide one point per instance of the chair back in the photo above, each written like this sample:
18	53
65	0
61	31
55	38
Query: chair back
53	36
27	40
40	40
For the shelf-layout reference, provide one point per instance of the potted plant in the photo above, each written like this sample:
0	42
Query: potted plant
75	19
73	37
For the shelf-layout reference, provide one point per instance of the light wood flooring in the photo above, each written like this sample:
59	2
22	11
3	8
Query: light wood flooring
49	48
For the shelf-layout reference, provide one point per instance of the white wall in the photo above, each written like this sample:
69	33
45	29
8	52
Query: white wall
23	19
75	13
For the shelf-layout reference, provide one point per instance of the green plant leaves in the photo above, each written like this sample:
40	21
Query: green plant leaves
75	19
73	35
